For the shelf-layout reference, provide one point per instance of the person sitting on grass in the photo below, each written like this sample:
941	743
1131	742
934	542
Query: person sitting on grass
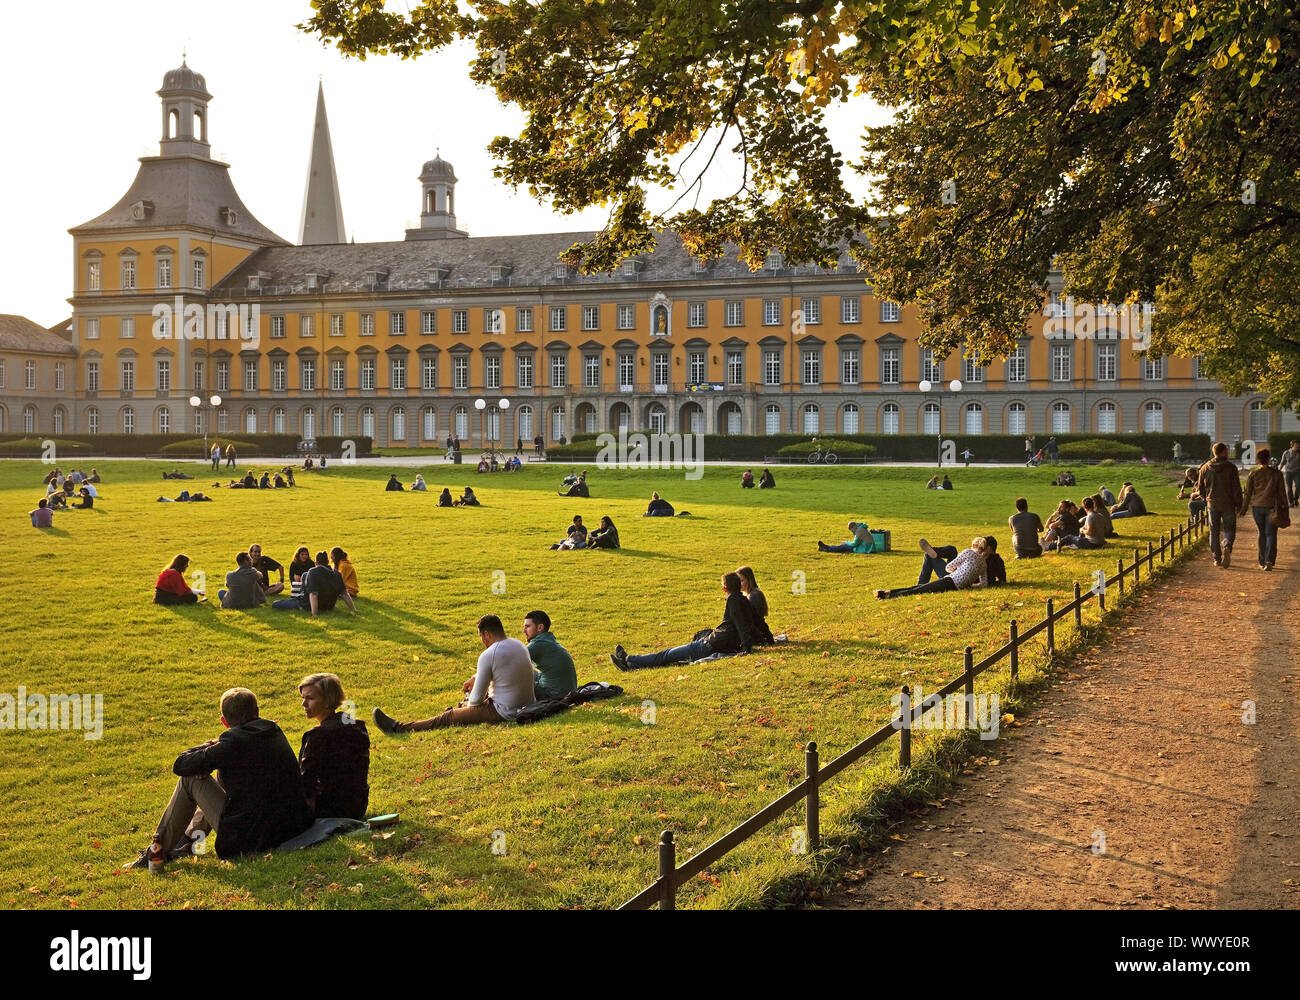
604	537
766	481
419	486
578	488
736	633
243	590
393	486
933	483
1130	503
94	476
963	570
57	501
995	570
90	488
264	566
42	516
256	802
335	756
321	588
1026	526
265	482
1065	521
87	500
576	535
444	498
502	685
658	507
280	483
946	484
757	601
307	464
301	564
1099	508
171	588
860	542
483	465
747	480
1108	498
1091	535
343	566
1065	479
555	675
468	499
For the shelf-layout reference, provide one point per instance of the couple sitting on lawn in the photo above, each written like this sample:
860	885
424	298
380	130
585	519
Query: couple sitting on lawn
952	570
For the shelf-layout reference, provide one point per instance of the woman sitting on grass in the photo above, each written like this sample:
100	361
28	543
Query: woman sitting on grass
302	562
343	566
737	633
468	499
335	756
1130	503
749	587
860	542
171	588
419	486
962	571
444	498
604	537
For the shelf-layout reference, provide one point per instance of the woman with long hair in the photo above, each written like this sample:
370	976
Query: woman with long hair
749	587
345	569
1263	496
171	588
604	537
335	756
298	567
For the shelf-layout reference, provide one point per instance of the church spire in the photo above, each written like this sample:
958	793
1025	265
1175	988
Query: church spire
322	209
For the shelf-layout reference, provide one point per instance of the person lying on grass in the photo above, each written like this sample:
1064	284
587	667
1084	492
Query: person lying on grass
500	687
964	569
255	804
578	488
335	756
738	632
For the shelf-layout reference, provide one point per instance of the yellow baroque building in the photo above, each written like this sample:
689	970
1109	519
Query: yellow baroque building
399	340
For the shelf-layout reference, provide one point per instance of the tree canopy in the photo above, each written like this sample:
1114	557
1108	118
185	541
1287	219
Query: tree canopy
1147	151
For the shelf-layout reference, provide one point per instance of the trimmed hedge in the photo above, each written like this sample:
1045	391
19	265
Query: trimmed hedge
842	449
34	447
130	445
203	449
1098	449
1009	448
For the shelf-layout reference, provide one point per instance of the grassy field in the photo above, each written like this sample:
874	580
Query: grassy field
579	798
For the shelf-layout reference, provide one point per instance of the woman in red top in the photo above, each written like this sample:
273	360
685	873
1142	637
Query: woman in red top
171	587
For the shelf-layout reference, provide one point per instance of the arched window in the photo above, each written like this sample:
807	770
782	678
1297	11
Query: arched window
1153	417
173	123
250	421
1207	418
849	418
1107	418
812	419
29	420
399	423
309	424
1017	419
492	423
557	422
128	420
223	421
526	429
974	423
733	421
930	418
277	420
460	423
891	419
58	421
693	422
164	420
429	424
772	419
658	418
1260	421
368	422
92	420
1060	418
584	418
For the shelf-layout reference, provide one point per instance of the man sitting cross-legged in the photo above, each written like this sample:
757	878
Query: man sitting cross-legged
737	633
255	804
502	685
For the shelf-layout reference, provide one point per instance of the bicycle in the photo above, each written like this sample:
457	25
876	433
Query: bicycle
828	456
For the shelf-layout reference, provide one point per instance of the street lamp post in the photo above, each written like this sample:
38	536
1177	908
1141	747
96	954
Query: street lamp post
480	404
930	389
211	403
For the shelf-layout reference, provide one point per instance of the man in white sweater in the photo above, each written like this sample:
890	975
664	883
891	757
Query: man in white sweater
500	687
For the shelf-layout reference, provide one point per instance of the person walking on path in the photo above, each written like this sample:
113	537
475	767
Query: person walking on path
1265	498
1290	466
230	455
1220	487
216	456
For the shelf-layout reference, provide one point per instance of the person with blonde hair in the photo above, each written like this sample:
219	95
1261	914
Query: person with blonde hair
966	569
335	756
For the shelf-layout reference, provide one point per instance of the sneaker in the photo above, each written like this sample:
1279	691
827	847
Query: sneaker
1218	561
1227	557
141	862
619	658
881	595
928	549
385	723
821	546
1268	567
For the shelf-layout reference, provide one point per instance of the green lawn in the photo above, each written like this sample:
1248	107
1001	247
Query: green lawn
580	798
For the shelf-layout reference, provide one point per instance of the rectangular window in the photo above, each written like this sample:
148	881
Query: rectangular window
397	323
367	324
279	375
771	367
128	274
850	367
1107	362
626	317
695	314
2	373
735	368
198	375
1153	369
591	317
734	314
591	371
626	370
972	370
336	325
250	376
931	370
164	272
200	273
307	326
128	376
559	370
891	366
59	370
164	376
1062	356
659	369
850	309
771	312
29	375
92	276
308	376
397	373
428	373
460	372
126	328
277	327
460	321
492	372
559	319
494	320
338	376
890	312
524	319
812	310
695	366
524	369
1017	365
812	367
223	376
428	322
1199	368
368	374
92	376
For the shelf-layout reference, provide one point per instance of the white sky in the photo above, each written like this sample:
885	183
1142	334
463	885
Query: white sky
78	108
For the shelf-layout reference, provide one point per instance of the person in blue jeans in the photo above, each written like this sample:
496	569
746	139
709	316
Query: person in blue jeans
737	633
936	561
1265	492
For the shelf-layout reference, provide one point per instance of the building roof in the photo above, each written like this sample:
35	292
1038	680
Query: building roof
63	330
322	208
469	263
182	79
181	192
18	333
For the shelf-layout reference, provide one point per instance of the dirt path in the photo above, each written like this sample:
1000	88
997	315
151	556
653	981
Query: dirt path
1143	741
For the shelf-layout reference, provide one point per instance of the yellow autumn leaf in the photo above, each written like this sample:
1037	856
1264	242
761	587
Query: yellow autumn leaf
1219	61
1273	44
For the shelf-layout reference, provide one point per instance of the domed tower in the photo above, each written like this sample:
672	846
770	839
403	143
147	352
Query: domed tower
438	205
184	113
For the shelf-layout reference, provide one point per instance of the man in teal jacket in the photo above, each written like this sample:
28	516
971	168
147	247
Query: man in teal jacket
555	675
860	542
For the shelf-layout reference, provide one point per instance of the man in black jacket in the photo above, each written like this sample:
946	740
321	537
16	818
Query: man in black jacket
256	801
737	633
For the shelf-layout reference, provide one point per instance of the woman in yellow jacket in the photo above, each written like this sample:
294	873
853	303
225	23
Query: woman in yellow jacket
345	569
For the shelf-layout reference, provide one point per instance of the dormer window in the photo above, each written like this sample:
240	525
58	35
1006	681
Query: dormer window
500	273
436	275
701	267
561	272
228	215
141	210
630	268
775	260
315	281
377	278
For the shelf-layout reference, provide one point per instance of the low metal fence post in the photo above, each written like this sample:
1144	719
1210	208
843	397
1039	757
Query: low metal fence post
1119	566
1078	606
1051	626
812	804
1137	567
1151	559
667	871
905	730
1015	650
968	685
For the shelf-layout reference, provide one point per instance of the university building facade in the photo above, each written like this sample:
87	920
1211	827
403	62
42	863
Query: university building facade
399	340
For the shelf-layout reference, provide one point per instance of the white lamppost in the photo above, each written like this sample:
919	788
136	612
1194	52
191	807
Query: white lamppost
929	388
480	404
213	402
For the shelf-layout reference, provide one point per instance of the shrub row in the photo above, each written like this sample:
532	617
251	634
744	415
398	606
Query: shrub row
1097	449
33	447
843	449
154	444
197	446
